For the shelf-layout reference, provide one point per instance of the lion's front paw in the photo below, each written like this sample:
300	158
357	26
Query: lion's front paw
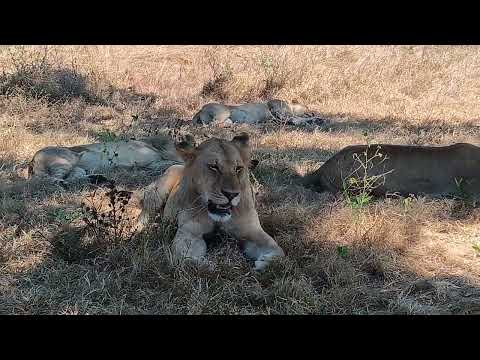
200	262
266	259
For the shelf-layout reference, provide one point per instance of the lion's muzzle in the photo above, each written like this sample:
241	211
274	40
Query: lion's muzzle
222	212
219	209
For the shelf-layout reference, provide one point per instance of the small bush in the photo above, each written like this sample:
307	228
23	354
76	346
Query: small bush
108	220
218	86
280	71
106	136
276	76
359	186
37	75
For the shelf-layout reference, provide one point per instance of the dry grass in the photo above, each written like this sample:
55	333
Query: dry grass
413	256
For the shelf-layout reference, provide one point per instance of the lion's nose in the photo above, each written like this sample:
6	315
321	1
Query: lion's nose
230	195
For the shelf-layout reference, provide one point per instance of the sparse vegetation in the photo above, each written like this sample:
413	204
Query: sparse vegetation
105	215
397	255
358	186
106	136
476	247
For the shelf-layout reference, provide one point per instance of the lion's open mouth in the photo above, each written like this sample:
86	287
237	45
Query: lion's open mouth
219	209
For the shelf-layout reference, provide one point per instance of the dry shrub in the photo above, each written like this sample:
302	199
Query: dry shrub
39	74
106	215
283	69
219	85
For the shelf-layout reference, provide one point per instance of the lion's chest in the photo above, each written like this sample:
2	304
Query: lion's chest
173	209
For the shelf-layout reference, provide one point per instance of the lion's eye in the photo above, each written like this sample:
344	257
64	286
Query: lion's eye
239	169
213	167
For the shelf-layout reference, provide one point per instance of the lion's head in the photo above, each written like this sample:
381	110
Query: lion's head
217	172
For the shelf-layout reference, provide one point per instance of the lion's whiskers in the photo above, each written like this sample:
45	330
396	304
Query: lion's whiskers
196	209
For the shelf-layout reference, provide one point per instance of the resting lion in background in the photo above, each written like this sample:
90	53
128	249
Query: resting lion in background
84	162
402	169
251	113
211	190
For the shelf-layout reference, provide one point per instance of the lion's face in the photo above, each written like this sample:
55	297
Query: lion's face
218	172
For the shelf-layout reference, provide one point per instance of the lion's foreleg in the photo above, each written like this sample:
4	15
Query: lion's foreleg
76	174
188	244
80	175
255	243
154	196
260	247
58	172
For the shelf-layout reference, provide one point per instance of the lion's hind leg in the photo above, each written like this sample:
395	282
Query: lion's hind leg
80	175
58	174
77	174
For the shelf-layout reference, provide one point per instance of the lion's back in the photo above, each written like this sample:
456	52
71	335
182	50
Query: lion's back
404	168
128	153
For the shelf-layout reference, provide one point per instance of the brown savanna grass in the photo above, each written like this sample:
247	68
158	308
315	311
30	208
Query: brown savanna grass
403	256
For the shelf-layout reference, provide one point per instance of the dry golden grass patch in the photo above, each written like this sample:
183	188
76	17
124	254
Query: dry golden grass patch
410	256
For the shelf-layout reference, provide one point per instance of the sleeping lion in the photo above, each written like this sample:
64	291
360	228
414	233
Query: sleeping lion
401	169
86	162
250	113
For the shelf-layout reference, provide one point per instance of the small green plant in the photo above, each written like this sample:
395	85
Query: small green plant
343	251
110	157
360	183
106	136
357	201
66	217
462	194
406	203
476	247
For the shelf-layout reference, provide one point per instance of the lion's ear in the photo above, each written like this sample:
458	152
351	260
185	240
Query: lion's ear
241	140
186	149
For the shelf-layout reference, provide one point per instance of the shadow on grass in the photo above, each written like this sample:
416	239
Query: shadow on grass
140	109
337	123
43	80
353	122
315	278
